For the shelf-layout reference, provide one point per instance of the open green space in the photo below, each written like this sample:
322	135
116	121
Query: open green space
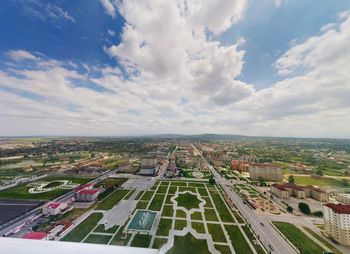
142	205
162	189
188	244
21	191
180	224
139	195
172	190
83	229
120	238
323	181
216	232
168	199
193	189
98	239
301	241
221	207
176	183
101	229
224	249
52	184
141	240
188	201
198	226
180	214
238	217
203	192
147	195
196	216
208	203
239	243
252	237
323	241
200	185
159	242
164	227
210	215
157	202
168	211
112	199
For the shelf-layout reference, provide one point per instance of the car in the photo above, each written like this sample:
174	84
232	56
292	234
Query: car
270	247
262	224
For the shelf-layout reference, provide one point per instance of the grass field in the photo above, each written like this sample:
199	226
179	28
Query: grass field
323	241
210	215
180	224
199	227
188	201
141	241
112	200
159	242
21	191
239	243
100	239
83	229
164	227
220	205
216	232
188	244
157	202
324	181
101	229
252	237
301	241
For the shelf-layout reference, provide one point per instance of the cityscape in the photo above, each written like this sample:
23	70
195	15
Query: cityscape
175	127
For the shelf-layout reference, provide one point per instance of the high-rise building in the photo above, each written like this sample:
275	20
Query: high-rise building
337	222
265	172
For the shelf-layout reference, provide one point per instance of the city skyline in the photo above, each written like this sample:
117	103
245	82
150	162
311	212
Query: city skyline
114	68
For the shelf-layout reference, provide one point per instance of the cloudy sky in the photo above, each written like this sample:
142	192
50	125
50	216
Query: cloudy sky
133	67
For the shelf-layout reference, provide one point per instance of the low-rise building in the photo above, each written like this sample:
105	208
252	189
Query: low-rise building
87	195
36	236
343	198
286	190
337	222
148	166
265	172
54	208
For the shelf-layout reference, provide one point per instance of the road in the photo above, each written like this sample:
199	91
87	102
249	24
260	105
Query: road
268	236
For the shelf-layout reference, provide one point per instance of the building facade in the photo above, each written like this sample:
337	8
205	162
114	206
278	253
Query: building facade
287	190
343	198
265	172
54	208
337	222
239	165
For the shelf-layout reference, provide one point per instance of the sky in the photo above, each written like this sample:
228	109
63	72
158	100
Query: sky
139	67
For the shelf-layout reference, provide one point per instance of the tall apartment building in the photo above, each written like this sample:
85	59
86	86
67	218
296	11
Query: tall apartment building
343	198
266	172
239	165
337	222
286	190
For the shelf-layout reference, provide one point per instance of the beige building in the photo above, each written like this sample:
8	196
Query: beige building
266	172
343	198
287	190
337	222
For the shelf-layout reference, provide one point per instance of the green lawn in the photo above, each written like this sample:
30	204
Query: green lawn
221	207
129	194
324	181
21	191
239	243
180	214
216	233
141	241
196	216
162	189
198	226
180	224
188	244
112	200
202	191
139	195
117	240
175	183
147	195
99	239
252	237
101	229
172	190
188	201
207	202
238	217
223	249
193	189
168	211
168	201
210	215
141	205
159	242
157	202
301	241
164	227
83	229
323	241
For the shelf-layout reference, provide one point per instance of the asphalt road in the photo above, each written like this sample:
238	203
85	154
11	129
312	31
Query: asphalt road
268	236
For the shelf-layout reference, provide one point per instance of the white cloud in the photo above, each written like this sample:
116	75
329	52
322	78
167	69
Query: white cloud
110	7
58	13
111	32
19	55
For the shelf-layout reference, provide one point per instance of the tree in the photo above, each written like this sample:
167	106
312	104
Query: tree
318	214
319	172
344	183
290	209
212	180
291	179
304	208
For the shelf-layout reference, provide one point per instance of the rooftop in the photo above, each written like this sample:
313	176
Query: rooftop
35	235
338	208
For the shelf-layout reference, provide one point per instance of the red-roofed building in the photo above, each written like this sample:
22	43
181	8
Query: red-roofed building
239	165
87	195
54	208
36	236
286	190
337	222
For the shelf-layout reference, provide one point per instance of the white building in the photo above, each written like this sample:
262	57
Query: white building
343	198
54	208
337	222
